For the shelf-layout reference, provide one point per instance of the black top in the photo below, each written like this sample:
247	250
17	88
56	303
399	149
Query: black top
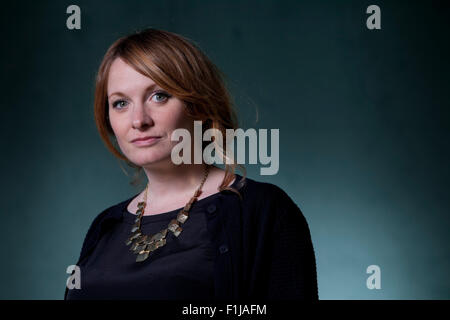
181	269
261	249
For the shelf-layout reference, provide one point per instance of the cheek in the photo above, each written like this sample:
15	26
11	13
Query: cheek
175	120
183	120
118	128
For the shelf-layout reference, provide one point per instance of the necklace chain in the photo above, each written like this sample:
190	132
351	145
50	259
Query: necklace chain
143	244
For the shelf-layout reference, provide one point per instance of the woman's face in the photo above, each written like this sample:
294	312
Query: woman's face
139	108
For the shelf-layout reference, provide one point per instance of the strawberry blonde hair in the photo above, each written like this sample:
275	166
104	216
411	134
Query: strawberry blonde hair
177	65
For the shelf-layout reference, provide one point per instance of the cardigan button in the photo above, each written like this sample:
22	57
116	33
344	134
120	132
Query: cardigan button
223	248
211	208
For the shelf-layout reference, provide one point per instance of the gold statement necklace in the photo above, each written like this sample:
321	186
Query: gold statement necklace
143	244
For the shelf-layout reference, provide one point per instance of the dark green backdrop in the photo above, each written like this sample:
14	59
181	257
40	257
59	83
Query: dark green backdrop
363	118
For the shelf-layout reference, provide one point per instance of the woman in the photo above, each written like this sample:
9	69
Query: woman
196	231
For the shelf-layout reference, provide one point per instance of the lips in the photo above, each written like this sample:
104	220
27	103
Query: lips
146	141
145	138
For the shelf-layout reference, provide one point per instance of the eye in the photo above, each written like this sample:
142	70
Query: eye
118	102
160	94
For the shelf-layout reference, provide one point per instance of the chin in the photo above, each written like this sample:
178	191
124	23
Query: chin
150	160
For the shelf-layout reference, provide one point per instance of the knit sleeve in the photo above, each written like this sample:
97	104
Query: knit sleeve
292	274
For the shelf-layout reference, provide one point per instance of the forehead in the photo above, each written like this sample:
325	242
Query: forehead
122	77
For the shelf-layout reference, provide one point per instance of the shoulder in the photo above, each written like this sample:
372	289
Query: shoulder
264	193
111	213
270	209
269	201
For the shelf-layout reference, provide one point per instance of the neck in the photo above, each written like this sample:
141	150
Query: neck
169	179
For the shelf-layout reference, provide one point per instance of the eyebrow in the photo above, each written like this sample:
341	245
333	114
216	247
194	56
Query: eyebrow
152	86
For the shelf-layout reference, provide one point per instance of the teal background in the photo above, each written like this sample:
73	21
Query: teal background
363	118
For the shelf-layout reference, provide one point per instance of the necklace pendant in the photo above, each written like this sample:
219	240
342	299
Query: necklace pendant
143	245
151	246
160	243
177	231
141	239
133	236
182	216
188	206
136	227
143	255
133	246
173	225
140	247
141	205
158	236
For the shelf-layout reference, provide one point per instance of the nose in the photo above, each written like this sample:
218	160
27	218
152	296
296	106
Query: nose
140	118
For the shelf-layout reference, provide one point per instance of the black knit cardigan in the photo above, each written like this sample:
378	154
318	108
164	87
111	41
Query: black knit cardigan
263	244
